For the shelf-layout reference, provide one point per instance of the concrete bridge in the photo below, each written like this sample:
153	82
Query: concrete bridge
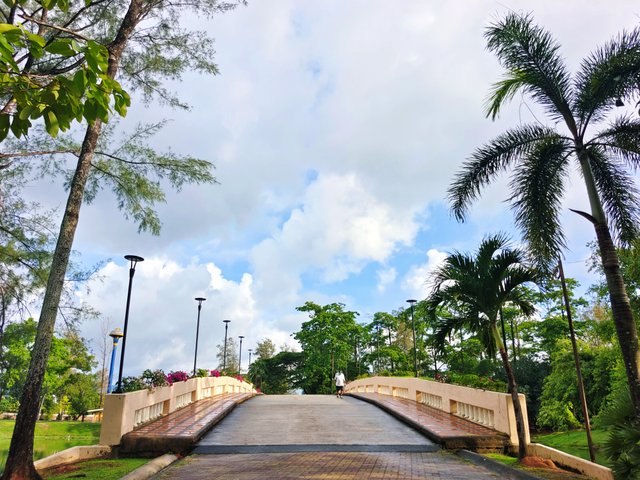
384	428
319	436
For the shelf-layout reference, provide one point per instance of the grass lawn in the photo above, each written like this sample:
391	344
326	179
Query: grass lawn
96	469
51	437
575	443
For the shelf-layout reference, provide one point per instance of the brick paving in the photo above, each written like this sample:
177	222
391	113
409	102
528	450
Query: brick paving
446	429
328	466
181	429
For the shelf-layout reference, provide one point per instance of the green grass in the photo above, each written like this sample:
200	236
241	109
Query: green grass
575	443
51	437
96	469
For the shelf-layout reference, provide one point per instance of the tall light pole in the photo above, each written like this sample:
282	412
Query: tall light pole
413	327
224	354
115	335
195	356
240	356
250	350
133	261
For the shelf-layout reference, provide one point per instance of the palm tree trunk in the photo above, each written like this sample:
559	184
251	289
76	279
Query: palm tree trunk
515	399
19	464
623	320
626	328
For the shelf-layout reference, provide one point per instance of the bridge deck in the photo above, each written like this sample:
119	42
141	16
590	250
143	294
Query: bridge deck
181	429
448	430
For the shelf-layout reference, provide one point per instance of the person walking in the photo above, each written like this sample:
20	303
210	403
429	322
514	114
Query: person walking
340	380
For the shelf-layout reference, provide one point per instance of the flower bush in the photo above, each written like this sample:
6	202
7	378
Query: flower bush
239	377
178	376
214	373
154	378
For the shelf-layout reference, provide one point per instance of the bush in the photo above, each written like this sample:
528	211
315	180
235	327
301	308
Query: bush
557	416
8	404
202	372
622	447
475	381
131	384
154	378
178	376
214	373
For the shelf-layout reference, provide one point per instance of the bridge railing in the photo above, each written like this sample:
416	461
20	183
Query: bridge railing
125	411
491	409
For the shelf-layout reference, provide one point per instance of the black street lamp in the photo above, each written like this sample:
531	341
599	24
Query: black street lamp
240	356
133	261
413	326
250	350
195	356
224	354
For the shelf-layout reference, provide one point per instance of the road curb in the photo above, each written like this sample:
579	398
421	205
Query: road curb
497	467
151	468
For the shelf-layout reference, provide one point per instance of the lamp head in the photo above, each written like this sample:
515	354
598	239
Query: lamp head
117	333
134	259
200	299
411	301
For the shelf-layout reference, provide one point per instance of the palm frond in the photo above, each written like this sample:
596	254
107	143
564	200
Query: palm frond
621	140
530	57
537	188
618	194
609	73
489	161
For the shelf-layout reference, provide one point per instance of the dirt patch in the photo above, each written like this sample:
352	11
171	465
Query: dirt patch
538	462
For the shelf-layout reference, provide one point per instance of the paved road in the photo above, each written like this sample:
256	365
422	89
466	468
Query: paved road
290	423
318	436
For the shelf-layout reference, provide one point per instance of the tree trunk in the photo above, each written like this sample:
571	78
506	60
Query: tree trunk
19	464
576	359
513	390
626	328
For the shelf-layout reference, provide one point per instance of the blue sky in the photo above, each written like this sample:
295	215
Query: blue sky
335	128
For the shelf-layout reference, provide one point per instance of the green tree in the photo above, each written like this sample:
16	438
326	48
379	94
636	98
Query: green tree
279	374
81	390
265	349
231	358
473	289
163	50
327	341
541	156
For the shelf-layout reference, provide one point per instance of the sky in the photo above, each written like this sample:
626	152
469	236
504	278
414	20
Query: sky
335	128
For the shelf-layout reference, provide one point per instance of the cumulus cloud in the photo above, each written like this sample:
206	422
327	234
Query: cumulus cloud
416	281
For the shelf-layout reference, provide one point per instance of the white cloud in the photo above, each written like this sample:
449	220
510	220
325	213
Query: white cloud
416	282
386	277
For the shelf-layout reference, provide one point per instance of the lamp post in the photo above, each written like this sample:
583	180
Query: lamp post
224	354
413	327
116	335
133	261
240	356
250	350
195	356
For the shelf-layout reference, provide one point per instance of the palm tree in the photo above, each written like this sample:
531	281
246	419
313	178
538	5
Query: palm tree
472	291
541	157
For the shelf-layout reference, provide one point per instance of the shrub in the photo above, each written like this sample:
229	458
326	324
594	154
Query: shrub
622	447
8	404
202	372
557	416
474	381
178	376
131	384
214	373
154	378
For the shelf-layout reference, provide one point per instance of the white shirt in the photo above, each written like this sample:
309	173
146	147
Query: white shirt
339	379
